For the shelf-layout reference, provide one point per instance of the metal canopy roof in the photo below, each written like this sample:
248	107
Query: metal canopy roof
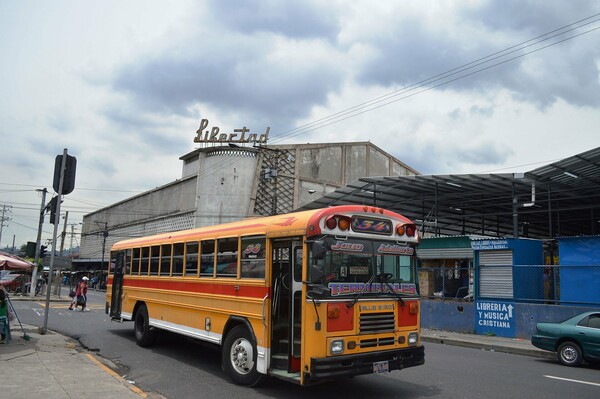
559	199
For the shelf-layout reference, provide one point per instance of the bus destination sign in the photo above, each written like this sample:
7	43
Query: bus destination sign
241	135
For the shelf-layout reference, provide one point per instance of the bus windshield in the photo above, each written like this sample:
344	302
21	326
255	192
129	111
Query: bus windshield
369	267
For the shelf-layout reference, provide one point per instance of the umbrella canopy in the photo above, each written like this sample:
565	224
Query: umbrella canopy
13	262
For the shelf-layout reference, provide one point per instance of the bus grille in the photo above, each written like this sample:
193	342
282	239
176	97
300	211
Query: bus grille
371	323
373	343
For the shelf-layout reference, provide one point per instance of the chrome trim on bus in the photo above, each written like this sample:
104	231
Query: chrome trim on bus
262	359
190	332
264	301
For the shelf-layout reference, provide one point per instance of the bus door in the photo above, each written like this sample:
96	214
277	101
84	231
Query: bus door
117	286
286	305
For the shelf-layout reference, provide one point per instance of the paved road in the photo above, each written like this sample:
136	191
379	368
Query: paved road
182	368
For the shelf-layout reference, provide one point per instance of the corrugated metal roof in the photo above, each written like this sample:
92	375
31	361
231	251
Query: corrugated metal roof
562	198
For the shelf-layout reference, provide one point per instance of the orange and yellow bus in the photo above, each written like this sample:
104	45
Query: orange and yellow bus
306	297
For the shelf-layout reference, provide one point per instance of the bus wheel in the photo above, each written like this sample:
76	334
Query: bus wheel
144	334
239	358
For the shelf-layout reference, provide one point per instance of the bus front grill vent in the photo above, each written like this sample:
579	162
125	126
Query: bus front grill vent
371	323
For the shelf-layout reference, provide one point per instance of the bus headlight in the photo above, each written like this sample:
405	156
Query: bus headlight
337	347
413	338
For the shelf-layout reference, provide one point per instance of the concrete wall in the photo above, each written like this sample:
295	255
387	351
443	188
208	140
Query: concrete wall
221	184
460	316
225	183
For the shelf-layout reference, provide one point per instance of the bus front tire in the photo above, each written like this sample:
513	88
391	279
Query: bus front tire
144	334
239	357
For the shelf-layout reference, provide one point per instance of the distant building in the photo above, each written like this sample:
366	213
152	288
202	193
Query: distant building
226	183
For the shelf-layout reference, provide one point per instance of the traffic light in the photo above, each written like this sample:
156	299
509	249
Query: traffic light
69	175
43	251
30	251
52	208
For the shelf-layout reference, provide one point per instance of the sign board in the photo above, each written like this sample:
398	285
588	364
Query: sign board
241	135
489	245
495	317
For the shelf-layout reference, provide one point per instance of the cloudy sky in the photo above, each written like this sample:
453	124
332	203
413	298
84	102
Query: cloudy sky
445	86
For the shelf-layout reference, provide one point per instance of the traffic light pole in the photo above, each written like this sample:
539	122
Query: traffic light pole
43	329
38	244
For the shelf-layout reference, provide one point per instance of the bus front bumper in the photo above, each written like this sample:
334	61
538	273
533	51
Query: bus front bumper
364	363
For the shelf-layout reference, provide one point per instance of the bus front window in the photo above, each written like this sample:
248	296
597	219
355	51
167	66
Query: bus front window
347	266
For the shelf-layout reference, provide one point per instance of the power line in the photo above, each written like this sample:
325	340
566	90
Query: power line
426	84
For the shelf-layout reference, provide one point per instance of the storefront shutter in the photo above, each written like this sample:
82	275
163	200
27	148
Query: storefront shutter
496	274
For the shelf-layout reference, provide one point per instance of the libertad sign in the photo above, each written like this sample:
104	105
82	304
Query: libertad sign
242	135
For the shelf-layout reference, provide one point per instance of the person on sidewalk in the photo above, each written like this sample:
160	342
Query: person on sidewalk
5	316
80	297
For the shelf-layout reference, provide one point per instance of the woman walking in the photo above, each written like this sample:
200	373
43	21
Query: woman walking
80	297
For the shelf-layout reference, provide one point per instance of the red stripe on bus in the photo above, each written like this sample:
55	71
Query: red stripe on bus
196	286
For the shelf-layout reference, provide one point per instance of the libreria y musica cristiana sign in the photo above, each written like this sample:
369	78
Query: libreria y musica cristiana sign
242	135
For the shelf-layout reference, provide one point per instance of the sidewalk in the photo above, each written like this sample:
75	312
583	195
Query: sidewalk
54	366
516	346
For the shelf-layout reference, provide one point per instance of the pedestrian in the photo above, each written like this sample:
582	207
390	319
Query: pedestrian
5	316
80	297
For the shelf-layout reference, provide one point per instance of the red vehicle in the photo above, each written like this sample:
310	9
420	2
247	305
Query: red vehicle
12	281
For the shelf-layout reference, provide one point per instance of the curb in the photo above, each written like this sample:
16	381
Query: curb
491	347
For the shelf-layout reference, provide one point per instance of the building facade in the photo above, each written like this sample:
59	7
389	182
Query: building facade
224	183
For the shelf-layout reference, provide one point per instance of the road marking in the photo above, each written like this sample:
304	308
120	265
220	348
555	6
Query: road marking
66	306
570	380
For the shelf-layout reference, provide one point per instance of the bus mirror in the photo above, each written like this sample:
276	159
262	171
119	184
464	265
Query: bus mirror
318	249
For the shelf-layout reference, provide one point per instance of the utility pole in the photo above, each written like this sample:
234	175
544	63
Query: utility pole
5	209
104	236
38	244
64	234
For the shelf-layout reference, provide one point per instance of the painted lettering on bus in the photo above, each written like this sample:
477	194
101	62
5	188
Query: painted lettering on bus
395	249
338	289
347	246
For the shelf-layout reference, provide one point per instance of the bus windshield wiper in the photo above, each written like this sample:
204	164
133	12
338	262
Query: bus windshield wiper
384	278
368	284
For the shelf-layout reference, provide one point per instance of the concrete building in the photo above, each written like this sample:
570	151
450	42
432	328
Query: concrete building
223	183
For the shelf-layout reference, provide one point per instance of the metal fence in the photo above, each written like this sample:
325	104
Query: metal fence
446	282
542	284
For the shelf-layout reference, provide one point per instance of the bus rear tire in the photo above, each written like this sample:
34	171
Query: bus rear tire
144	334
239	358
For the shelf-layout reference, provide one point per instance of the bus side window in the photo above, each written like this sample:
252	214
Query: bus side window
165	260
135	267
145	264
178	259
252	261
207	258
227	257
154	260
128	254
191	258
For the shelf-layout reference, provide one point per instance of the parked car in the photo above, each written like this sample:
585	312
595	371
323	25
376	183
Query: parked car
12	281
574	340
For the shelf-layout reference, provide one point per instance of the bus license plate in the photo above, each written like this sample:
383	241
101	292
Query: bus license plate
381	367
